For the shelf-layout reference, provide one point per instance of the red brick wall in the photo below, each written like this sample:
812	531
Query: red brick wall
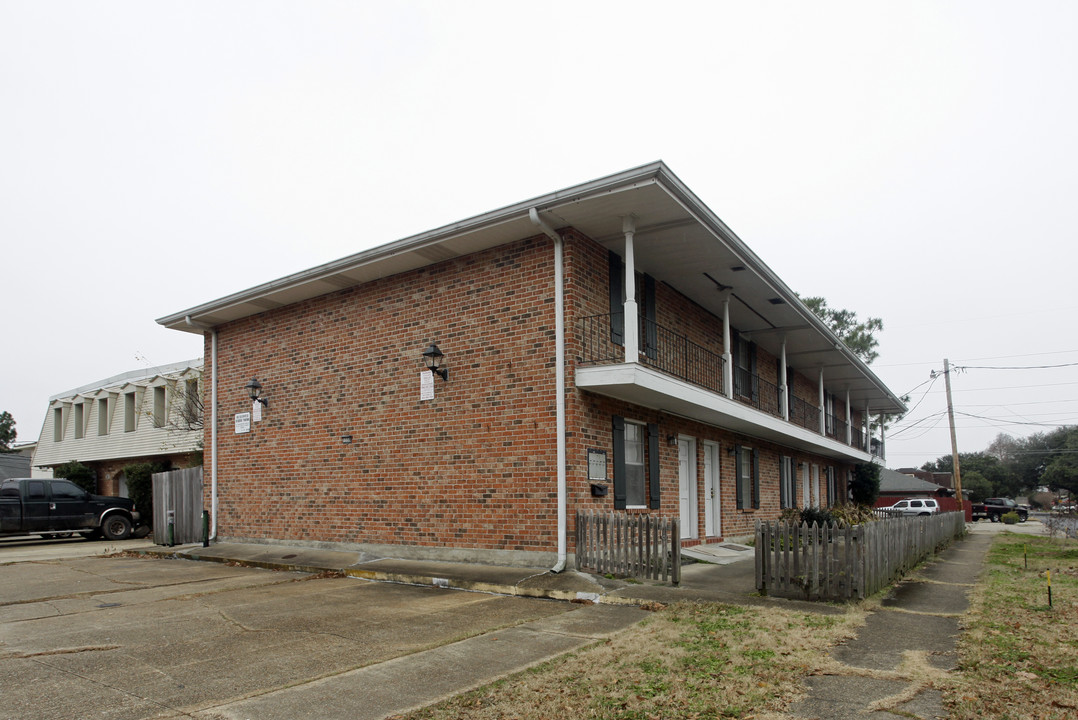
475	467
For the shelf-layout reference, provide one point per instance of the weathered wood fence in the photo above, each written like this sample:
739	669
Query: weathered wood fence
842	562
178	492
637	546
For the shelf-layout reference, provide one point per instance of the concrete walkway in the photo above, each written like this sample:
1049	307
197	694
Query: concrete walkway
886	671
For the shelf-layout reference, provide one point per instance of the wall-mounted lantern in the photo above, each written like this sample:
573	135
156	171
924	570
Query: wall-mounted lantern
254	389
432	356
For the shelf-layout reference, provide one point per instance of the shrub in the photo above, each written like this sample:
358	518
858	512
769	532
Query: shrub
76	472
850	514
820	516
140	486
1010	518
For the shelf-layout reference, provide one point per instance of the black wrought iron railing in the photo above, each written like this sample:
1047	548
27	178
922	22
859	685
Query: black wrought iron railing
602	342
804	414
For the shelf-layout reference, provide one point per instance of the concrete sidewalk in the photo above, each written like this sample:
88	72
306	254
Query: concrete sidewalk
727	574
884	671
887	670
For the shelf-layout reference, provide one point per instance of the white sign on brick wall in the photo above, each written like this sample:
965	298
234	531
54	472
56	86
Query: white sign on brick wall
243	422
426	385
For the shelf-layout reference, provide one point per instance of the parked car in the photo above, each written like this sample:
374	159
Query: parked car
915	506
994	508
32	506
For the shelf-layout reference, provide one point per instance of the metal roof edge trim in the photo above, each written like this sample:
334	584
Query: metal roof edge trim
609	183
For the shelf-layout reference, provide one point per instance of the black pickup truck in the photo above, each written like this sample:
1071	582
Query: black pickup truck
995	508
30	506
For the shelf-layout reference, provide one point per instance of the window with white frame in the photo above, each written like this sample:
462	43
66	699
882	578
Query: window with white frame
636	464
747	477
787	483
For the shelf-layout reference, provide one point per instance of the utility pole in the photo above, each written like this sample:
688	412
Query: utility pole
954	441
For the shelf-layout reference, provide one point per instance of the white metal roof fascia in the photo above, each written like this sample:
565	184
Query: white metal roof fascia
129	377
642	175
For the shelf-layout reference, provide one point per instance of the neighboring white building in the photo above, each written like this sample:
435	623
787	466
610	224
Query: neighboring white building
133	417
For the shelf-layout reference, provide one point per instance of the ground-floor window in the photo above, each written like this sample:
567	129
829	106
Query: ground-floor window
787	483
747	465
636	464
832	494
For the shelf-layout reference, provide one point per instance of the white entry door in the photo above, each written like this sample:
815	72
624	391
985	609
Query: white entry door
712	499
686	454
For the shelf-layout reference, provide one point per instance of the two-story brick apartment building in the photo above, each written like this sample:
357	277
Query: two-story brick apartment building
612	335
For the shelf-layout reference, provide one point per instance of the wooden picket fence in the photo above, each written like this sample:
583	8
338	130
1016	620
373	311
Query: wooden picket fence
636	546
841	562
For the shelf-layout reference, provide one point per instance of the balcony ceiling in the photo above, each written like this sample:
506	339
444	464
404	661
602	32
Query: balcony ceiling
679	241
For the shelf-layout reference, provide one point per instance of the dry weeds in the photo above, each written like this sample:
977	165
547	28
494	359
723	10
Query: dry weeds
1018	656
689	660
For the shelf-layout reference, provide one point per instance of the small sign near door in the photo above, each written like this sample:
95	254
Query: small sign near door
596	464
243	422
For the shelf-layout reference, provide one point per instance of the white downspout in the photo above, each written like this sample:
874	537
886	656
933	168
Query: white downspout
213	422
784	383
559	369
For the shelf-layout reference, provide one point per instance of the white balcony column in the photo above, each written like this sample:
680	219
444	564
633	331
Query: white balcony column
784	387
632	322
727	356
823	409
883	448
849	420
868	430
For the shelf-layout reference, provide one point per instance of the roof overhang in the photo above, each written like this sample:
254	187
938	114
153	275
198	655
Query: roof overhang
678	240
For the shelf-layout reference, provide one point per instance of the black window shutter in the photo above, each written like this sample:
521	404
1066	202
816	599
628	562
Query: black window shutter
619	462
737	477
617	299
784	479
752	371
654	487
756	479
734	360
651	331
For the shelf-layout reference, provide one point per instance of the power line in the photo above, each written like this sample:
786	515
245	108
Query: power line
1012	367
978	359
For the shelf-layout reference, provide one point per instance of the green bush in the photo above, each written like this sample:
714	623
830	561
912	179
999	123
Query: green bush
820	516
140	486
850	514
76	472
1010	518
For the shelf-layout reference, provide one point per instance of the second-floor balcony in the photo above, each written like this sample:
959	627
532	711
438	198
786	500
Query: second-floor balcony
681	376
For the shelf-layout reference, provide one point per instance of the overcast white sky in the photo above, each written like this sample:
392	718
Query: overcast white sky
914	161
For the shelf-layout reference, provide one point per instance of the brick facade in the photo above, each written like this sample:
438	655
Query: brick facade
475	467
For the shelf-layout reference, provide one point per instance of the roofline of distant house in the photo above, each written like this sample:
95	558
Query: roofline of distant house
130	376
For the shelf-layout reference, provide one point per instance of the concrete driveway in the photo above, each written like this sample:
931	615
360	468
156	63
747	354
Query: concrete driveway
135	637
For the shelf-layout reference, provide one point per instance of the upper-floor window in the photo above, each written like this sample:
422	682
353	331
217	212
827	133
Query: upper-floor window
78	420
191	398
102	416
57	424
159	406
129	412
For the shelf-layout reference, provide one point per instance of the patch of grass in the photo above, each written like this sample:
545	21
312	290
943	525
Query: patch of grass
1017	655
690	660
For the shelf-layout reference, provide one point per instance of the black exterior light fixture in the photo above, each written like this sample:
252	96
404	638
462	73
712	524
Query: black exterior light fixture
432	356
254	389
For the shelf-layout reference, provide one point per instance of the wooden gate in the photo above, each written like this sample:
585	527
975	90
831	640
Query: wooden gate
177	496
